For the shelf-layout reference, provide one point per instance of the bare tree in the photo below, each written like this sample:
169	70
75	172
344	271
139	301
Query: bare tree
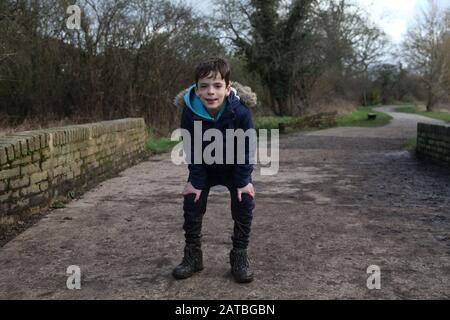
129	58
425	50
446	52
295	46
351	44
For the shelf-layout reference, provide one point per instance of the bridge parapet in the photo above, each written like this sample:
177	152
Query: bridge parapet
40	167
433	143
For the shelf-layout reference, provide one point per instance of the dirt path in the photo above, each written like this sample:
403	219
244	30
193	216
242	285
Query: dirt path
402	126
344	199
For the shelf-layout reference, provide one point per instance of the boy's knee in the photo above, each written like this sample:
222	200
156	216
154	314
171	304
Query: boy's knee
247	200
246	205
189	203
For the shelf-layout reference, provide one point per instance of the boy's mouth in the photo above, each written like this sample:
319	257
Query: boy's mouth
211	101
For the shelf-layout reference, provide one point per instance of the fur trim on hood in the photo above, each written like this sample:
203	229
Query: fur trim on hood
244	93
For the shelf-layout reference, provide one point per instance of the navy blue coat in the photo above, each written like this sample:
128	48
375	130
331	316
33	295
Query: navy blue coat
236	115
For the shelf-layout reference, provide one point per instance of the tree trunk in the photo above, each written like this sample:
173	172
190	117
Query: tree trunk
274	105
282	106
430	100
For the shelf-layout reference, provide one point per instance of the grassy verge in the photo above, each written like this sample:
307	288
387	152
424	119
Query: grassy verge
309	122
359	118
445	116
410	144
272	122
158	145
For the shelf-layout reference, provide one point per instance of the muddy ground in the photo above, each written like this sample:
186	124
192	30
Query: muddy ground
344	199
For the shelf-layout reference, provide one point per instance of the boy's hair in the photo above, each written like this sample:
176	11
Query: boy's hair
214	65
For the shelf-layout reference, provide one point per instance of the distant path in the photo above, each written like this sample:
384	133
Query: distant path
403	125
344	199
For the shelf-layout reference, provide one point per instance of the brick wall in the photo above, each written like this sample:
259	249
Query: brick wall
42	166
433	143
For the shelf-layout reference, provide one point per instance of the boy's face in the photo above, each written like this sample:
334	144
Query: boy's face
212	91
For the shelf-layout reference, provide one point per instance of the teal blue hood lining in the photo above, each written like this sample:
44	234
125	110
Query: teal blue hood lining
193	102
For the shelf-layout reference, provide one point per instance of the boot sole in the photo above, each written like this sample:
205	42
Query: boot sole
178	277
248	280
244	281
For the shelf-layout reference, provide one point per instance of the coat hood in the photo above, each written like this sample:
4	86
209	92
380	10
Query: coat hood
193	102
188	99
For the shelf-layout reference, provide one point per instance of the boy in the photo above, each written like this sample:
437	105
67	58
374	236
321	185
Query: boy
212	102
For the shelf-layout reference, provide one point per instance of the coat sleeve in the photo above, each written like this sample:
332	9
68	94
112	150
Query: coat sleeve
243	172
197	172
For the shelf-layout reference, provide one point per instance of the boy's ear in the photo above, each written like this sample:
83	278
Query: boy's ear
228	90
196	91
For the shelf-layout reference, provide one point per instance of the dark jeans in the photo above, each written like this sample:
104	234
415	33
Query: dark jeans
241	212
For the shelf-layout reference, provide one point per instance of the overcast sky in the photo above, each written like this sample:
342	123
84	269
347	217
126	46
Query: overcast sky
393	16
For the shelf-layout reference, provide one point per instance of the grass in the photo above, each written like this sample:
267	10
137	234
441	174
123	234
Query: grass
359	118
410	144
406	109
272	122
445	116
158	144
58	205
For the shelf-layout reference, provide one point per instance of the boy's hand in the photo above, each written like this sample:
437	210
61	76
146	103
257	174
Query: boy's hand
247	189
189	189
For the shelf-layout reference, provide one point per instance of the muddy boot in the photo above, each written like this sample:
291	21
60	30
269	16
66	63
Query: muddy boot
240	267
192	262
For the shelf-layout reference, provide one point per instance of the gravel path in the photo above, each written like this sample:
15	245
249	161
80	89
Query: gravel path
344	199
402	126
